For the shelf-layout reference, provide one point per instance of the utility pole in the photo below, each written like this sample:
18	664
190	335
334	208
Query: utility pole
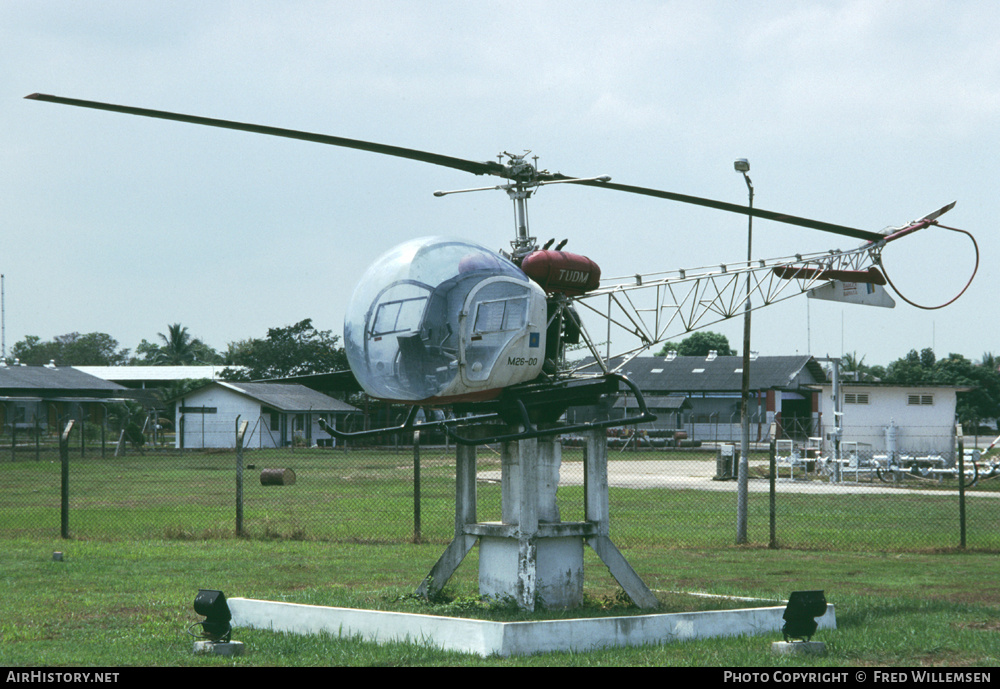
743	475
3	318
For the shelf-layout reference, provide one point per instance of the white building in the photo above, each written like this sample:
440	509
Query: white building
921	418
278	414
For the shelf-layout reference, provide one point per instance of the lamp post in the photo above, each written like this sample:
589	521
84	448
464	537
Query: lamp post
742	165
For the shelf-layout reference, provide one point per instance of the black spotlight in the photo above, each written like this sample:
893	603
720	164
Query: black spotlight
803	607
212	604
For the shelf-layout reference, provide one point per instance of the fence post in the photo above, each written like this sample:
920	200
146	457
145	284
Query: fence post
961	484
416	486
241	430
64	487
773	468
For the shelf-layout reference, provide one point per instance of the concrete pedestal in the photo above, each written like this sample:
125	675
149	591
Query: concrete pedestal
505	571
531	556
528	556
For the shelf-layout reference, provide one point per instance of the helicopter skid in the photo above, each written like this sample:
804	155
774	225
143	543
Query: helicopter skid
534	409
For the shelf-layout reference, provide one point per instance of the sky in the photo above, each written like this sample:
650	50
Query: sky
867	114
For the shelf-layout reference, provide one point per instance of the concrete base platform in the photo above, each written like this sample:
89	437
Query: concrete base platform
486	638
798	648
219	648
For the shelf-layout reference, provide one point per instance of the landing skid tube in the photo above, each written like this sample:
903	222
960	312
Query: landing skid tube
514	412
531	430
407	425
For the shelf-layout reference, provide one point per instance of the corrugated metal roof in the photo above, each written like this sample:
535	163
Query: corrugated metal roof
289	397
61	380
136	374
668	403
340	381
657	374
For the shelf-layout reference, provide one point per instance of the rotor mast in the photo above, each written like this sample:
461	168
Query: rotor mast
525	178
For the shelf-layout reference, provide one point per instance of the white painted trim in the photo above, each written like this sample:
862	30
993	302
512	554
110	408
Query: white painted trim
484	638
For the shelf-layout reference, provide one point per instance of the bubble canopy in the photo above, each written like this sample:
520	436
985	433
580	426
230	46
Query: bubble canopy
432	317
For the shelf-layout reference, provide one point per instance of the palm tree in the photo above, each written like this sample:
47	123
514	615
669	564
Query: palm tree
853	367
178	349
990	361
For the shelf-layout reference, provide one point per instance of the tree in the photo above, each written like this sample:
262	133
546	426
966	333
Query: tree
293	350
853	367
178	388
700	343
983	400
71	349
178	349
990	362
912	369
667	347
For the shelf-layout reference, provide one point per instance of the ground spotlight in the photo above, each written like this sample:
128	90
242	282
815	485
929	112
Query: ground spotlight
212	604
801	613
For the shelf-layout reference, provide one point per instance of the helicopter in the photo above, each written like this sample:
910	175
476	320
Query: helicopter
442	321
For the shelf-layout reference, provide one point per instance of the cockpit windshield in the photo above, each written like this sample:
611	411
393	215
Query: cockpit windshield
402	315
402	331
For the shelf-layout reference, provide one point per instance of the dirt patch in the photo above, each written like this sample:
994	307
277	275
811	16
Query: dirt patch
987	626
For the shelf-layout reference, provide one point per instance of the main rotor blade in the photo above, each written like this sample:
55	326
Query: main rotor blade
732	208
476	168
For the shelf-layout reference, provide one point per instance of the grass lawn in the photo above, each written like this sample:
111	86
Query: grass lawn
369	496
129	603
149	530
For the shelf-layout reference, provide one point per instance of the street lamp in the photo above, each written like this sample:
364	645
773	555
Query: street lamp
742	165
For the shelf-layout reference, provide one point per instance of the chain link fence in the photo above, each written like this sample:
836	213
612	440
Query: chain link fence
672	494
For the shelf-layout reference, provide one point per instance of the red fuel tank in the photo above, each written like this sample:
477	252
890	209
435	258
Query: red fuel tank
559	271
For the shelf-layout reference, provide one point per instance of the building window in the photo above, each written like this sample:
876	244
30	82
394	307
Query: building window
274	418
922	400
855	398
